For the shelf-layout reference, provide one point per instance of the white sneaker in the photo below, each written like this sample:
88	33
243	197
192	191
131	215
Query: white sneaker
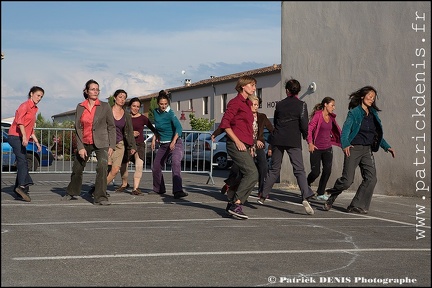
307	207
322	197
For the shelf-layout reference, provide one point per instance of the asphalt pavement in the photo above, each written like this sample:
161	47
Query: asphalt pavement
155	240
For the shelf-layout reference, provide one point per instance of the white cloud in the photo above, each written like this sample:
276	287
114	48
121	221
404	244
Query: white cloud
140	62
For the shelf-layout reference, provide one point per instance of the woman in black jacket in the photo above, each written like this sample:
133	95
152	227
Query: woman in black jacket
291	125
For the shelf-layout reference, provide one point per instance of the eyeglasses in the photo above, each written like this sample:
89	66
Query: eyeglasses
94	89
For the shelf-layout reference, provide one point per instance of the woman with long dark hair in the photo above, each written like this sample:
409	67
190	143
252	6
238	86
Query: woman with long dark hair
362	134
323	133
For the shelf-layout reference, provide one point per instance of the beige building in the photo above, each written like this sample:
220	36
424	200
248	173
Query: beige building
208	98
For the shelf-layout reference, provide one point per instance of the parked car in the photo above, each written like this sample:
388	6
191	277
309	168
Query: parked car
34	158
148	136
202	151
221	159
150	155
5	125
188	145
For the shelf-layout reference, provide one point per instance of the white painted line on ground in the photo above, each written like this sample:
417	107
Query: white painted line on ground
220	253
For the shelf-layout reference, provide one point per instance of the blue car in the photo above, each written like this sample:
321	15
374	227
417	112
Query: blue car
34	158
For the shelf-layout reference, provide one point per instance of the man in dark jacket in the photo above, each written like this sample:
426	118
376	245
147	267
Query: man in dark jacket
290	126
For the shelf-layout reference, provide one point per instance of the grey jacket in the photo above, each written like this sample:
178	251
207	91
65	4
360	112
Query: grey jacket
128	134
104	131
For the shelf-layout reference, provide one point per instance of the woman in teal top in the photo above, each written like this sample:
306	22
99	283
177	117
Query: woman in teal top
169	130
362	134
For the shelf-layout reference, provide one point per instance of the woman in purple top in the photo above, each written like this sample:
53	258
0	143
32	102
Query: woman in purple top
323	133
139	122
125	141
238	121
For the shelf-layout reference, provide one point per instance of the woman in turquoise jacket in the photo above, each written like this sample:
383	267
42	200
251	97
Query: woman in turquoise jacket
362	134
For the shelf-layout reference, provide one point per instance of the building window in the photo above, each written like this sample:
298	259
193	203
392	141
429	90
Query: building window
178	105
190	104
205	105
224	103
259	95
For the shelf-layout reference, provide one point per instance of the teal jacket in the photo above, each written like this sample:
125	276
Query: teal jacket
352	125
167	124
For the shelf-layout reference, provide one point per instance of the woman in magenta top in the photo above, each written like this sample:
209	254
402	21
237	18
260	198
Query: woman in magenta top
20	132
323	133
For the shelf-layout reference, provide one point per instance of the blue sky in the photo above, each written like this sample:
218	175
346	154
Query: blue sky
141	47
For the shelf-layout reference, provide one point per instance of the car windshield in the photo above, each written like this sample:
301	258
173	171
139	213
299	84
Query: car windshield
205	136
266	135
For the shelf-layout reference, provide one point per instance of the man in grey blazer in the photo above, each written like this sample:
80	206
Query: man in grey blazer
95	131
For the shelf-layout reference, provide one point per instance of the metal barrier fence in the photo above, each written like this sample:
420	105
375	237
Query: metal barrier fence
59	146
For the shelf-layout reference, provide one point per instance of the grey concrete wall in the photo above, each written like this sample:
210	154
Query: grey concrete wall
343	46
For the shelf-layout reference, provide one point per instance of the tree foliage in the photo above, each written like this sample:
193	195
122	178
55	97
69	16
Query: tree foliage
60	140
200	124
153	105
111	100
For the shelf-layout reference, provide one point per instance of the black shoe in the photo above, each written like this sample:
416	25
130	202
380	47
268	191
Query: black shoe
180	194
103	202
92	190
68	197
261	200
21	191
358	210
17	195
122	188
228	207
224	189
236	210
328	204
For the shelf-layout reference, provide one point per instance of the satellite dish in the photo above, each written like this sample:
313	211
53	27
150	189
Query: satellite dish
183	72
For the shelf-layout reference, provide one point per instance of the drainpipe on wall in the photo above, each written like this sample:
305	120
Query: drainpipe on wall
212	104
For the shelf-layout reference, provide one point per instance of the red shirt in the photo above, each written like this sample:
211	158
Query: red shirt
87	121
239	117
24	115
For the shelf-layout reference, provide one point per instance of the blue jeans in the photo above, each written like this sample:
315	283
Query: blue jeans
23	177
162	155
